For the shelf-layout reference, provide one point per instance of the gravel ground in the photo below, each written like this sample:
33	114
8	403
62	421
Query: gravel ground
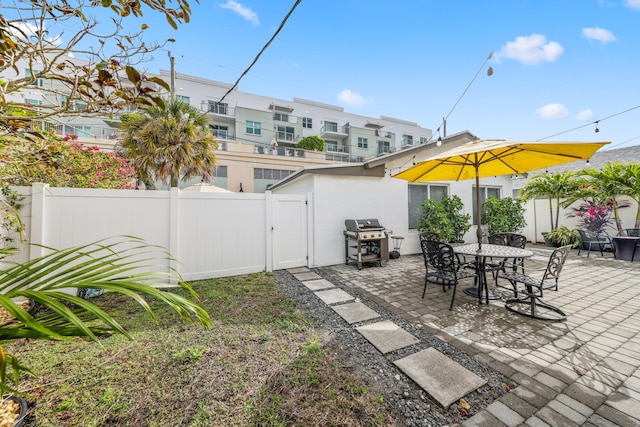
410	403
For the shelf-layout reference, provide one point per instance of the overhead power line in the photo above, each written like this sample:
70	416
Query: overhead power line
235	85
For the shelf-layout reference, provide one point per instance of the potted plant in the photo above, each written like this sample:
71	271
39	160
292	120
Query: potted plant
444	219
562	236
460	222
504	215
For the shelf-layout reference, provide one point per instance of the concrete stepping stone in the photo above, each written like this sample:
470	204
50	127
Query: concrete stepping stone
442	378
332	296
386	336
355	312
306	276
316	285
298	270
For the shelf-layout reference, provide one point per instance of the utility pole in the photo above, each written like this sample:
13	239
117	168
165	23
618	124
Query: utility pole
172	82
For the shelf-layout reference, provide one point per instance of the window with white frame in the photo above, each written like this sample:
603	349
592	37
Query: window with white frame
253	127
363	142
485	193
418	193
407	140
28	72
286	133
281	117
220	171
424	140
218	108
307	122
182	98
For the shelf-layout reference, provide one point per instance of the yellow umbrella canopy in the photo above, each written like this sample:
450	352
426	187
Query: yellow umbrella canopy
482	158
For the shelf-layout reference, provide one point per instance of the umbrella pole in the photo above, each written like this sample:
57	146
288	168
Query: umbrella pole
478	205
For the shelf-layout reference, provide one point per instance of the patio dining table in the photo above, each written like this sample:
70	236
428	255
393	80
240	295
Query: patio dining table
482	254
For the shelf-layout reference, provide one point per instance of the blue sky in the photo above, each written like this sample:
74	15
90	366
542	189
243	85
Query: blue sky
557	65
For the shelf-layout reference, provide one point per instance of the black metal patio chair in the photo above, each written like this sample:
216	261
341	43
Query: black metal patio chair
443	266
529	288
593	242
507	239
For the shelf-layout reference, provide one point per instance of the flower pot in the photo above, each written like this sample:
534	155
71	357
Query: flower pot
624	247
20	412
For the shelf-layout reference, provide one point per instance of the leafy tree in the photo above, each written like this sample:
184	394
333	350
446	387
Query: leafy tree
444	219
460	223
54	161
312	142
169	142
36	35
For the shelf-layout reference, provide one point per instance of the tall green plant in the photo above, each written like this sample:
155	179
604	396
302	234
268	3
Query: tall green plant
128	266
169	143
460	223
554	187
504	215
312	142
445	219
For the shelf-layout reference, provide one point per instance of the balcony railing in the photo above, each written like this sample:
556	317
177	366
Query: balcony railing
222	110
278	151
223	135
385	150
336	148
286	136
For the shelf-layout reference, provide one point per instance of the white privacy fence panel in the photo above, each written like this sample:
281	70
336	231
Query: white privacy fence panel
209	234
221	234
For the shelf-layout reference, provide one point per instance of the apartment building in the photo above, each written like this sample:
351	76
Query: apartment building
257	134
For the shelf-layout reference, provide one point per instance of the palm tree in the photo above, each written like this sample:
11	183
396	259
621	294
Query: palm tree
629	178
168	142
127	266
553	186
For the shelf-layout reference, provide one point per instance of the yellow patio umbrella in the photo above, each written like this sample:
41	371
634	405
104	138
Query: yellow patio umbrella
482	158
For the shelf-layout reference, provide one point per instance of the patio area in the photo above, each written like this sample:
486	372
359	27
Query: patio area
584	371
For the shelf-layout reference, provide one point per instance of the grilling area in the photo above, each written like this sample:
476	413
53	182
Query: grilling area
583	371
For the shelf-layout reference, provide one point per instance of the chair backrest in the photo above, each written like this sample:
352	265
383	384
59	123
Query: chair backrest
438	256
633	232
517	240
556	261
429	235
499	239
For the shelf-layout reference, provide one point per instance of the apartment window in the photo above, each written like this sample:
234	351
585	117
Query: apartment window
363	142
330	127
485	193
407	140
307	122
424	140
218	108
29	73
183	98
253	127
33	101
220	171
281	117
286	133
418	193
383	147
273	174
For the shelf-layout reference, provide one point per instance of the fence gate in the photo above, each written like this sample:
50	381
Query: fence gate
289	226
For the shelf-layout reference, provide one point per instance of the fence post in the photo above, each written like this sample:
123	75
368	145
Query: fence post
268	203
37	234
174	227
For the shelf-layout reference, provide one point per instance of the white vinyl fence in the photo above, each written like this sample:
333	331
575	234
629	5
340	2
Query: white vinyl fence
209	234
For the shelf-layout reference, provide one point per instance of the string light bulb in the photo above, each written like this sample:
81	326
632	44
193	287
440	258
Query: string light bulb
597	130
439	142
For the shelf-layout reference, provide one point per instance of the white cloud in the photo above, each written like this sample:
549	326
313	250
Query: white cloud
532	49
599	34
633	4
241	10
351	98
552	111
585	115
30	30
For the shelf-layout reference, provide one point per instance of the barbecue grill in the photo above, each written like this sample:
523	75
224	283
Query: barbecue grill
366	240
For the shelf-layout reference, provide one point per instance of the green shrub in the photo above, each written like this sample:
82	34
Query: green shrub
445	219
503	215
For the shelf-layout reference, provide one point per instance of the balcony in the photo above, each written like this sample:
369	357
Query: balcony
222	112
333	148
286	136
333	131
384	134
385	150
223	135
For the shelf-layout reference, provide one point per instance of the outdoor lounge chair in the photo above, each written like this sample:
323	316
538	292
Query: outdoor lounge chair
442	266
529	288
593	242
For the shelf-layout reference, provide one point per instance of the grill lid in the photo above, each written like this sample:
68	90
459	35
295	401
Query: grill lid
362	224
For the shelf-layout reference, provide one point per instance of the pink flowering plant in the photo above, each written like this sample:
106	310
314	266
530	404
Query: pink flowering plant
59	163
594	216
